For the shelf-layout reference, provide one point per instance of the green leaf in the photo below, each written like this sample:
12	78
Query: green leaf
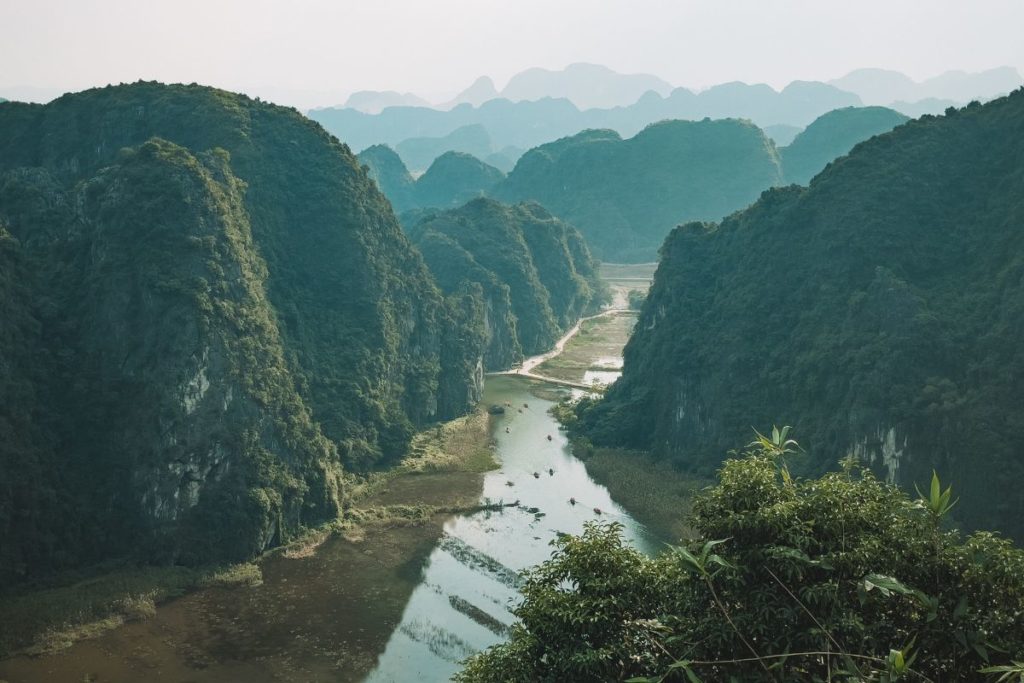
886	585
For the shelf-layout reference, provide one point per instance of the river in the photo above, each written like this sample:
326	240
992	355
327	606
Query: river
472	572
400	604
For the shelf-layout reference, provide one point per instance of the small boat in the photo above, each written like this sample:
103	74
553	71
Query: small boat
496	410
509	483
549	437
526	405
536	476
597	511
551	472
572	501
506	430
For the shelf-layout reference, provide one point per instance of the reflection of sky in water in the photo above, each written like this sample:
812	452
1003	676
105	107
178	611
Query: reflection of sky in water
474	559
601	376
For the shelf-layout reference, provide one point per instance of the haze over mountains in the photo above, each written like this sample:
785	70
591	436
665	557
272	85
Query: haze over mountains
539	106
625	195
592	86
885	87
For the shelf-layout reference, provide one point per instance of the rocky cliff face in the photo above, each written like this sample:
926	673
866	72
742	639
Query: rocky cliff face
533	271
220	311
454	267
877	311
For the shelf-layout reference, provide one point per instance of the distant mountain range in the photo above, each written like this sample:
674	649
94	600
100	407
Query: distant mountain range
625	195
375	101
592	86
879	86
530	123
540	105
588	86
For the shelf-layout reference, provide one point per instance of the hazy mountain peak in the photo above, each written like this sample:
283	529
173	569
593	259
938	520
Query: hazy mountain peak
882	86
374	101
479	92
586	85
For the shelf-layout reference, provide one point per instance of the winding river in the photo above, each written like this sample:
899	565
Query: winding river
404	603
468	585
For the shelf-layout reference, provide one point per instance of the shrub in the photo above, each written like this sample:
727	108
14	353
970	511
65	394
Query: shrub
837	578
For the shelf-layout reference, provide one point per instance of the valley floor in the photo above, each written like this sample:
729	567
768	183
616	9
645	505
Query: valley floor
108	626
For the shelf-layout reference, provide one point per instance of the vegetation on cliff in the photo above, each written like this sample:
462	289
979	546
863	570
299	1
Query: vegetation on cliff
391	176
626	195
831	136
452	179
534	272
881	307
212	309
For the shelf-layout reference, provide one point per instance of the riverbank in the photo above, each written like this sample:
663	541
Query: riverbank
653	491
589	356
442	475
594	353
332	605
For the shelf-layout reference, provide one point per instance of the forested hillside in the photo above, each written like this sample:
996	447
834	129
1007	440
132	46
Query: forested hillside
626	195
831	136
209	310
451	180
879	311
534	272
391	175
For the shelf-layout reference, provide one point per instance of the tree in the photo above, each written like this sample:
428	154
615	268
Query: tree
837	578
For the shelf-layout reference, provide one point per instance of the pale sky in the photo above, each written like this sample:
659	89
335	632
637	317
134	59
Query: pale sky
318	51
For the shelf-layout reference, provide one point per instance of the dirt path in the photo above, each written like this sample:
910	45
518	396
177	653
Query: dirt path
619	306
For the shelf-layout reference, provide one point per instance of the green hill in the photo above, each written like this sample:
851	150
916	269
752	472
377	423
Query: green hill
831	136
392	177
535	271
879	311
209	310
419	153
626	195
453	179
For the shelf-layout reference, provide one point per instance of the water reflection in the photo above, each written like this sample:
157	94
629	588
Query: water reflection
468	588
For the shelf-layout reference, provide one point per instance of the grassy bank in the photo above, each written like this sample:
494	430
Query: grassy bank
83	606
598	338
442	474
654	492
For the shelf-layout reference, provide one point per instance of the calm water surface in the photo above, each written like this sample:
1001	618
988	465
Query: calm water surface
405	604
468	585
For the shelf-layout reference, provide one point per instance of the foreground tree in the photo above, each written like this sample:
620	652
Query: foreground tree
842	578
